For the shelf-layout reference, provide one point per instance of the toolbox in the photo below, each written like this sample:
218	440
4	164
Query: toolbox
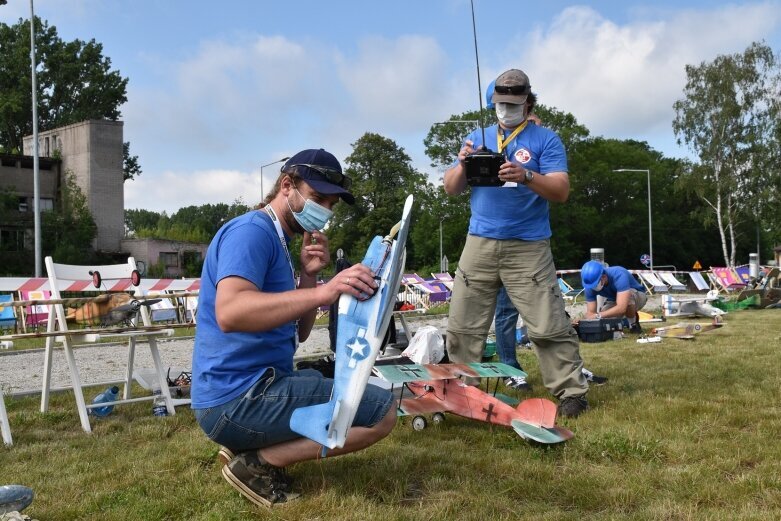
600	329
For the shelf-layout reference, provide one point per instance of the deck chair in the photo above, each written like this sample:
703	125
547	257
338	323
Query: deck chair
444	278
744	274
727	279
698	281
5	427
34	316
652	282
567	291
669	279
119	277
163	311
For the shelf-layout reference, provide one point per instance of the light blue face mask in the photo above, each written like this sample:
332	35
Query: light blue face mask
312	217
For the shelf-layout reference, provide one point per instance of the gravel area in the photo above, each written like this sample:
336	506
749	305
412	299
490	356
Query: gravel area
21	371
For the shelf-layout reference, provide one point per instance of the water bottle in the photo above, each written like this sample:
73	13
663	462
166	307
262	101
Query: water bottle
109	395
158	405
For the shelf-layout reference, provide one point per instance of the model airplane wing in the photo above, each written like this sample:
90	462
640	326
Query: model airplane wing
362	325
687	331
398	374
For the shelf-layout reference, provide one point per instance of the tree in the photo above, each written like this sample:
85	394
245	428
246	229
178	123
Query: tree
131	168
382	178
730	118
68	232
75	82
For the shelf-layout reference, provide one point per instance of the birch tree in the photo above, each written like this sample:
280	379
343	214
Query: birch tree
729	118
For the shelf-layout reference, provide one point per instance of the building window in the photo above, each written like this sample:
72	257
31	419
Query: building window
12	240
169	259
23	206
46	204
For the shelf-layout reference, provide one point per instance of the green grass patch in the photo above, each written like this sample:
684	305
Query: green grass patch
683	430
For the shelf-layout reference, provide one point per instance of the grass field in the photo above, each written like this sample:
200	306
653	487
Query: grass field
683	430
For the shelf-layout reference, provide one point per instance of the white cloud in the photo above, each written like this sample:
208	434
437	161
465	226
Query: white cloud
170	191
622	80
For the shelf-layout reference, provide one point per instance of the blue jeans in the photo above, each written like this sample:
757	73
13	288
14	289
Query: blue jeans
506	318
261	417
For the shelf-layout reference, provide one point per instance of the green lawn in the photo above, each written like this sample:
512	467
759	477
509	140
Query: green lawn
683	430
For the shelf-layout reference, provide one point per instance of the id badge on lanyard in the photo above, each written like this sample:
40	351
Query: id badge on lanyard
281	234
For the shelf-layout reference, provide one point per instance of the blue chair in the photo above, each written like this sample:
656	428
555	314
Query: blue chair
7	314
568	292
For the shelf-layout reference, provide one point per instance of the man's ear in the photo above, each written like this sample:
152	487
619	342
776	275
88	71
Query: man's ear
286	185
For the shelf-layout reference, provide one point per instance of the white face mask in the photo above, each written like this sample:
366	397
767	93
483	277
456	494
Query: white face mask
510	114
599	286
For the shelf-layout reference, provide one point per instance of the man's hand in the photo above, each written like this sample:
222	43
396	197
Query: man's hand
314	253
465	151
512	172
355	280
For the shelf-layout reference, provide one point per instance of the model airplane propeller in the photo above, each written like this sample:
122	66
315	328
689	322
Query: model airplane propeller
109	309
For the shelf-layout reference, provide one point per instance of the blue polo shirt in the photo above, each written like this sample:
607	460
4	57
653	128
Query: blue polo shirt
618	279
225	365
516	212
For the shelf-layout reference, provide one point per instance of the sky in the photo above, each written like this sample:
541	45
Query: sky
219	88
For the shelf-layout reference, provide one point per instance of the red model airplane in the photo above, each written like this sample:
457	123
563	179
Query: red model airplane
438	389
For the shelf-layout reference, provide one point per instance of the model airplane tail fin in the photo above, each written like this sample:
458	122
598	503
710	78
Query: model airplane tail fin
541	434
537	412
314	422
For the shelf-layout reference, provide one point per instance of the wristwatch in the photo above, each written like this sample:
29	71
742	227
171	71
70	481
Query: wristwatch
528	176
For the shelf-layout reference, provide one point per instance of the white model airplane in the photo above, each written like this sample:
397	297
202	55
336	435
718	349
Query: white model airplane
361	329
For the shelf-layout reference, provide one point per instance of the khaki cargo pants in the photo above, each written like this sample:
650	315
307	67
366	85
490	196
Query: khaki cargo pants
526	269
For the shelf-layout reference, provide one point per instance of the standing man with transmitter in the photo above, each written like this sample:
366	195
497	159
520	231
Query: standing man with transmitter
509	244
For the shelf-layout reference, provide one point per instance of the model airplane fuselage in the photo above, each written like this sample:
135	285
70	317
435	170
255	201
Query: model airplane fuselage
109	310
361	329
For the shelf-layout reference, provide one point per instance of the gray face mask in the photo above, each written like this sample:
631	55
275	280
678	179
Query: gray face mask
599	286
510	114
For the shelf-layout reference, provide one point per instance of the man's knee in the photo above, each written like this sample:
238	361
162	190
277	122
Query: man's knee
385	426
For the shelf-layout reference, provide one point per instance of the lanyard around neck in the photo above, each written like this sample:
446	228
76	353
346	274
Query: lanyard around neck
275	220
501	144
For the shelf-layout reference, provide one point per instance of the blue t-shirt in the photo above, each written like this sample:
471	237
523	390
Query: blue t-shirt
618	279
517	212
225	365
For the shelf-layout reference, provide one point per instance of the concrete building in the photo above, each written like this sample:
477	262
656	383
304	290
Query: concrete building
172	256
16	181
92	151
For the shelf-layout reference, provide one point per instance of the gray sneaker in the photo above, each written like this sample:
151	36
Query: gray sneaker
260	482
518	383
573	406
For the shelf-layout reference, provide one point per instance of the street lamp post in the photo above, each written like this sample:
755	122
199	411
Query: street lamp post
650	232
261	174
36	169
441	262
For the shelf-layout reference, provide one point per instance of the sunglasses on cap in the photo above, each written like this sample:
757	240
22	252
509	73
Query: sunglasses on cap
515	90
333	176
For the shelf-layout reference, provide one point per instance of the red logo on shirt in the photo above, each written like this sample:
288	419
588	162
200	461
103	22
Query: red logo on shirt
522	155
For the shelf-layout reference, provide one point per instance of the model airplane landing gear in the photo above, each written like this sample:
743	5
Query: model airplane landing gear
419	423
437	418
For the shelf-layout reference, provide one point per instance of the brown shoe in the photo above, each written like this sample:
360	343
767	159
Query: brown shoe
260	482
224	455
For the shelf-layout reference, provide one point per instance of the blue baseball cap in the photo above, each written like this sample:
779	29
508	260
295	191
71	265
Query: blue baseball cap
322	171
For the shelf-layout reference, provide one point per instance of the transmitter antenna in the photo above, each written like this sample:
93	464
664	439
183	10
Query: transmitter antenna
477	63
